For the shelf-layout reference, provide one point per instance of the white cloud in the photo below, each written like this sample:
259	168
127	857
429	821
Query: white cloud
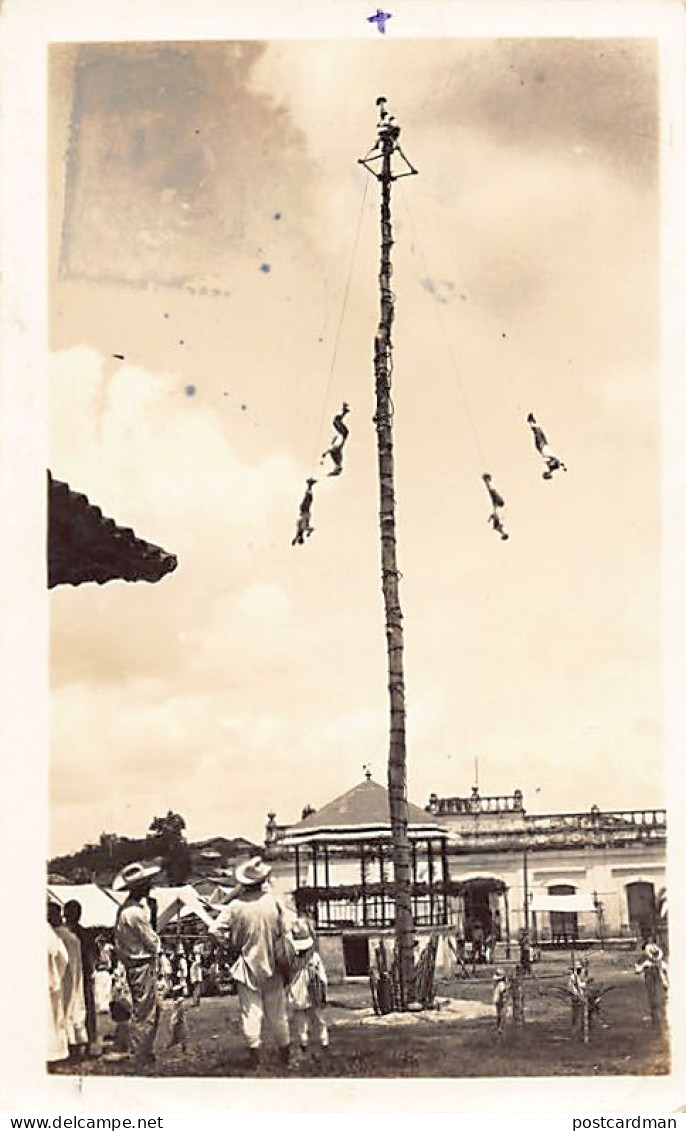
264	602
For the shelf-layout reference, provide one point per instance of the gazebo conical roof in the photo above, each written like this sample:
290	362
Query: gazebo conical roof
361	814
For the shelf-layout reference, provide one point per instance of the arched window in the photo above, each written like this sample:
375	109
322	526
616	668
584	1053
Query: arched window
564	925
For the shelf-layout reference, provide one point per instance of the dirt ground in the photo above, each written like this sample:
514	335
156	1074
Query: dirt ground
625	1043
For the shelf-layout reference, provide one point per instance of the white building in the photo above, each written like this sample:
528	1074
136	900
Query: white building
479	864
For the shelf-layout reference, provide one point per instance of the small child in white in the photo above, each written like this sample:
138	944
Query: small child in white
196	978
179	1027
501	991
307	988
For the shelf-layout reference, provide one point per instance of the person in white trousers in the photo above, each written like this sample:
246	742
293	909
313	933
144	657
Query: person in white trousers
249	926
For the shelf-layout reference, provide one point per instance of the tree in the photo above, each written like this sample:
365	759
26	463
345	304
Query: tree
172	826
171	845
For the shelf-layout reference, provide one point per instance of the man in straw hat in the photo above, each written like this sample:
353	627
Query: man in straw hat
250	926
654	969
138	947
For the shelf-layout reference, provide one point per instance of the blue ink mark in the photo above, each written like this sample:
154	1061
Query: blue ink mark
380	19
190	390
265	268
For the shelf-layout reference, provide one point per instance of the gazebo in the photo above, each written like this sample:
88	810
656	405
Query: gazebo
344	864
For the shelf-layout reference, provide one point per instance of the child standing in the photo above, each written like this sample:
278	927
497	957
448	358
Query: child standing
179	1028
121	1009
501	990
196	977
307	988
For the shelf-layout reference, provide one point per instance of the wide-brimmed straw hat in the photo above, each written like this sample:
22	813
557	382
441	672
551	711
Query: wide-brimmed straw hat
499	975
653	951
134	874
301	934
253	872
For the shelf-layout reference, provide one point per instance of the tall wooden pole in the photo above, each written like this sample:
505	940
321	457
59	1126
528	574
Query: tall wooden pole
385	148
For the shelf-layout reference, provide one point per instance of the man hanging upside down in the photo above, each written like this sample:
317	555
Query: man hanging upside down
303	529
497	503
552	462
338	442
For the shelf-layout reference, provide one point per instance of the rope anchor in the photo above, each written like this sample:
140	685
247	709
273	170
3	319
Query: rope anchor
497	502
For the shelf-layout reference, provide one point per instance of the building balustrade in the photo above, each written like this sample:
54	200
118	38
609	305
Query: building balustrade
597	819
498	803
513	803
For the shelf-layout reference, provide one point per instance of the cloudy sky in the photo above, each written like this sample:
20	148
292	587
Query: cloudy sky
205	202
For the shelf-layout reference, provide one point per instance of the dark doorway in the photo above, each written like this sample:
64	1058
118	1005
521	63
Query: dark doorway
640	897
481	914
477	906
564	925
356	955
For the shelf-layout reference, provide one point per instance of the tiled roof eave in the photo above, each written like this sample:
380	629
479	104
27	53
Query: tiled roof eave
85	546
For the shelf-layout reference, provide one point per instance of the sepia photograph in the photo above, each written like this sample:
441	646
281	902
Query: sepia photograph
355	557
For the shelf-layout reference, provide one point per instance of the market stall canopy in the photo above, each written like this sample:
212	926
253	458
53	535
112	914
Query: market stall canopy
214	894
361	814
579	901
178	903
174	903
98	906
84	545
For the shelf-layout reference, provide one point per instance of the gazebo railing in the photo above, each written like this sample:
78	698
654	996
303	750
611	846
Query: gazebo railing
345	906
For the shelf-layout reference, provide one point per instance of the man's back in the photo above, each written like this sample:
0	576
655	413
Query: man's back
252	920
134	936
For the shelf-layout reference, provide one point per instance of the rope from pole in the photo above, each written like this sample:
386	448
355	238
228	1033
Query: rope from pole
449	350
341	318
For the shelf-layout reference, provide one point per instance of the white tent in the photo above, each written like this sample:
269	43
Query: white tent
178	903
98	906
579	901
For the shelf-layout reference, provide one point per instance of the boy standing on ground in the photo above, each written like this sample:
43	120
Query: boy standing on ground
307	988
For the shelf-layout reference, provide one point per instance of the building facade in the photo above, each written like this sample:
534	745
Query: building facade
481	866
590	875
